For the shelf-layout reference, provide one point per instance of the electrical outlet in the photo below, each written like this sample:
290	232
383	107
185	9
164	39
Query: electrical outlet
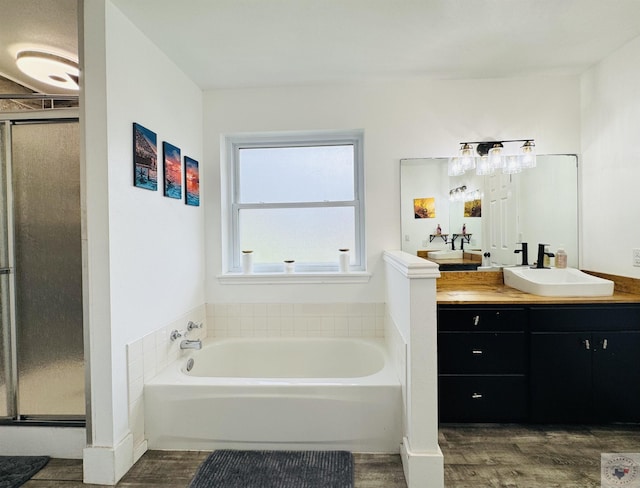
636	257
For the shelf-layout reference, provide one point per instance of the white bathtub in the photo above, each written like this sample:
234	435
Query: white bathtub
284	393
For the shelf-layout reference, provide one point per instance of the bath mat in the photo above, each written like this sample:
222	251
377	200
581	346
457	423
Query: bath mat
16	470
275	469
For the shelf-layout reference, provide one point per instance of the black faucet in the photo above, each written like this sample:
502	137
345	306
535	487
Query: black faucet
541	255
525	253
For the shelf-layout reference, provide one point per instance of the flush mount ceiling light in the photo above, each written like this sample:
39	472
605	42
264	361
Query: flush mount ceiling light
493	156
49	68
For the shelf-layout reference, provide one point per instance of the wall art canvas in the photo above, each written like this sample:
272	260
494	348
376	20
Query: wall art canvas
191	182
172	171
473	208
145	158
424	208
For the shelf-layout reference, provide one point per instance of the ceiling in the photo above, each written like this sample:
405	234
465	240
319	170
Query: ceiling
241	43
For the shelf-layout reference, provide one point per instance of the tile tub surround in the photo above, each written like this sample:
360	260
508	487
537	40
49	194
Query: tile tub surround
146	357
296	319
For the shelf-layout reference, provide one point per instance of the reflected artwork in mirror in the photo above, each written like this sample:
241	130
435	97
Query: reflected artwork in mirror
494	213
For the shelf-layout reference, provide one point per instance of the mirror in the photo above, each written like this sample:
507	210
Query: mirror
539	205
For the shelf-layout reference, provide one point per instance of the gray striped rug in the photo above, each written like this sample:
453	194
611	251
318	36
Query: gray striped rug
275	469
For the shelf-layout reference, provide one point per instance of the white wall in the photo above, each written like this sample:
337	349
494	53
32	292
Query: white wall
401	119
611	162
152	270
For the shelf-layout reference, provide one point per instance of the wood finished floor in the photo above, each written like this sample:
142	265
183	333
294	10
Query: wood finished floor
475	456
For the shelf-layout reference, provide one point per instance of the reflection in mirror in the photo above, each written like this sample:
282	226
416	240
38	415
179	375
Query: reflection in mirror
539	205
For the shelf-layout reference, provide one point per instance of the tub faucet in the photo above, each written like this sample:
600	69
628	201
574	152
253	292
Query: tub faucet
191	344
525	253
541	255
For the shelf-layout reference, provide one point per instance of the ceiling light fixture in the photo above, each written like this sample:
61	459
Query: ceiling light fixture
49	68
492	156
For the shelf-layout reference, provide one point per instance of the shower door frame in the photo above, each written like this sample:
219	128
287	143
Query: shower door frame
13	413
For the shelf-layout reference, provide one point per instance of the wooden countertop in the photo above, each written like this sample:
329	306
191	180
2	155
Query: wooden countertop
487	287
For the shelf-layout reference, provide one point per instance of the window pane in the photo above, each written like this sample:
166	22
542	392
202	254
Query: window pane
307	235
296	174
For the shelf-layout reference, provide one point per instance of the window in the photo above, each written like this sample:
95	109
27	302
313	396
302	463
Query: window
296	197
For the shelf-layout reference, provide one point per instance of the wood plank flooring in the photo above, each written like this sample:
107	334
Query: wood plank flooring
475	455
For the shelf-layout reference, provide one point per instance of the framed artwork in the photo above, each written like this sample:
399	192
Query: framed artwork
172	171
191	182
145	158
424	208
473	208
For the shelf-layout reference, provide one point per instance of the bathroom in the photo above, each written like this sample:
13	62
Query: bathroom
153	262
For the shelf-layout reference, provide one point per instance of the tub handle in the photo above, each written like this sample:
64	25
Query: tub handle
174	335
193	325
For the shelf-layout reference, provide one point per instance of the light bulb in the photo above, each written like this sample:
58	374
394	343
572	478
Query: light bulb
467	159
528	155
455	167
483	167
495	156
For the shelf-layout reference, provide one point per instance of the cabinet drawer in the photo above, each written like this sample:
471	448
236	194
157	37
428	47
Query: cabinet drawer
482	398
481	352
481	319
585	318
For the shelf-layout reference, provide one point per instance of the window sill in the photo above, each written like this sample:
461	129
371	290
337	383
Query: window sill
292	278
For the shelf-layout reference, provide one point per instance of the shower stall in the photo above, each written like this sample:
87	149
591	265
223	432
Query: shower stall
42	377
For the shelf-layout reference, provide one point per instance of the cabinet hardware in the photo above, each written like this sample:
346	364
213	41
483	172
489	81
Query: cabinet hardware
587	344
475	396
476	320
476	351
604	344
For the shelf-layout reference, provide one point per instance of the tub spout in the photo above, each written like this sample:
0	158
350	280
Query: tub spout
191	344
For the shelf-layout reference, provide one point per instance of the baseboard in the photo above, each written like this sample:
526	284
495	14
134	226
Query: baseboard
106	465
139	450
422	470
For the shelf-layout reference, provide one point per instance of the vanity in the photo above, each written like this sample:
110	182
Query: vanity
510	356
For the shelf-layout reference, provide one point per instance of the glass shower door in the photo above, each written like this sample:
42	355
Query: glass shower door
45	167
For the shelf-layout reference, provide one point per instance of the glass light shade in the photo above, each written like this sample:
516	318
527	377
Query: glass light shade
49	68
467	159
528	155
496	160
512	165
455	167
483	167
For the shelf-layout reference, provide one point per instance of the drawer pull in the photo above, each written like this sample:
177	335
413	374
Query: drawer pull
475	396
604	344
587	344
476	351
476	320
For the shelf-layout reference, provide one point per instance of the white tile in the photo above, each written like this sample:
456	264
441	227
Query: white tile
328	324
220	310
260	323
149	343
260	309
135	370
234	309
355	326
246	323
368	309
273	310
135	350
314	324
273	323
246	310
150	368
136	388
136	420
286	309
381	309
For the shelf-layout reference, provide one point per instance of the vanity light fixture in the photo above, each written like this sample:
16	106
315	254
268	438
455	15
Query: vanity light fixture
492	156
461	194
52	69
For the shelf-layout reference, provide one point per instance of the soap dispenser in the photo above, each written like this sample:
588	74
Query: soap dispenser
561	257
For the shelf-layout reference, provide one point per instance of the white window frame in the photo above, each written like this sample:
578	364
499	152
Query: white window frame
235	143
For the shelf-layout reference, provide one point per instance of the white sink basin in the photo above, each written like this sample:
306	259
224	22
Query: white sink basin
446	254
556	282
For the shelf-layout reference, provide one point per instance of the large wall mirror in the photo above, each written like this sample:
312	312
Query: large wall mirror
538	205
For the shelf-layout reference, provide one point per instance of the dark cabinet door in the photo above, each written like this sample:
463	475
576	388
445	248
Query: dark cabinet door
616	376
560	377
